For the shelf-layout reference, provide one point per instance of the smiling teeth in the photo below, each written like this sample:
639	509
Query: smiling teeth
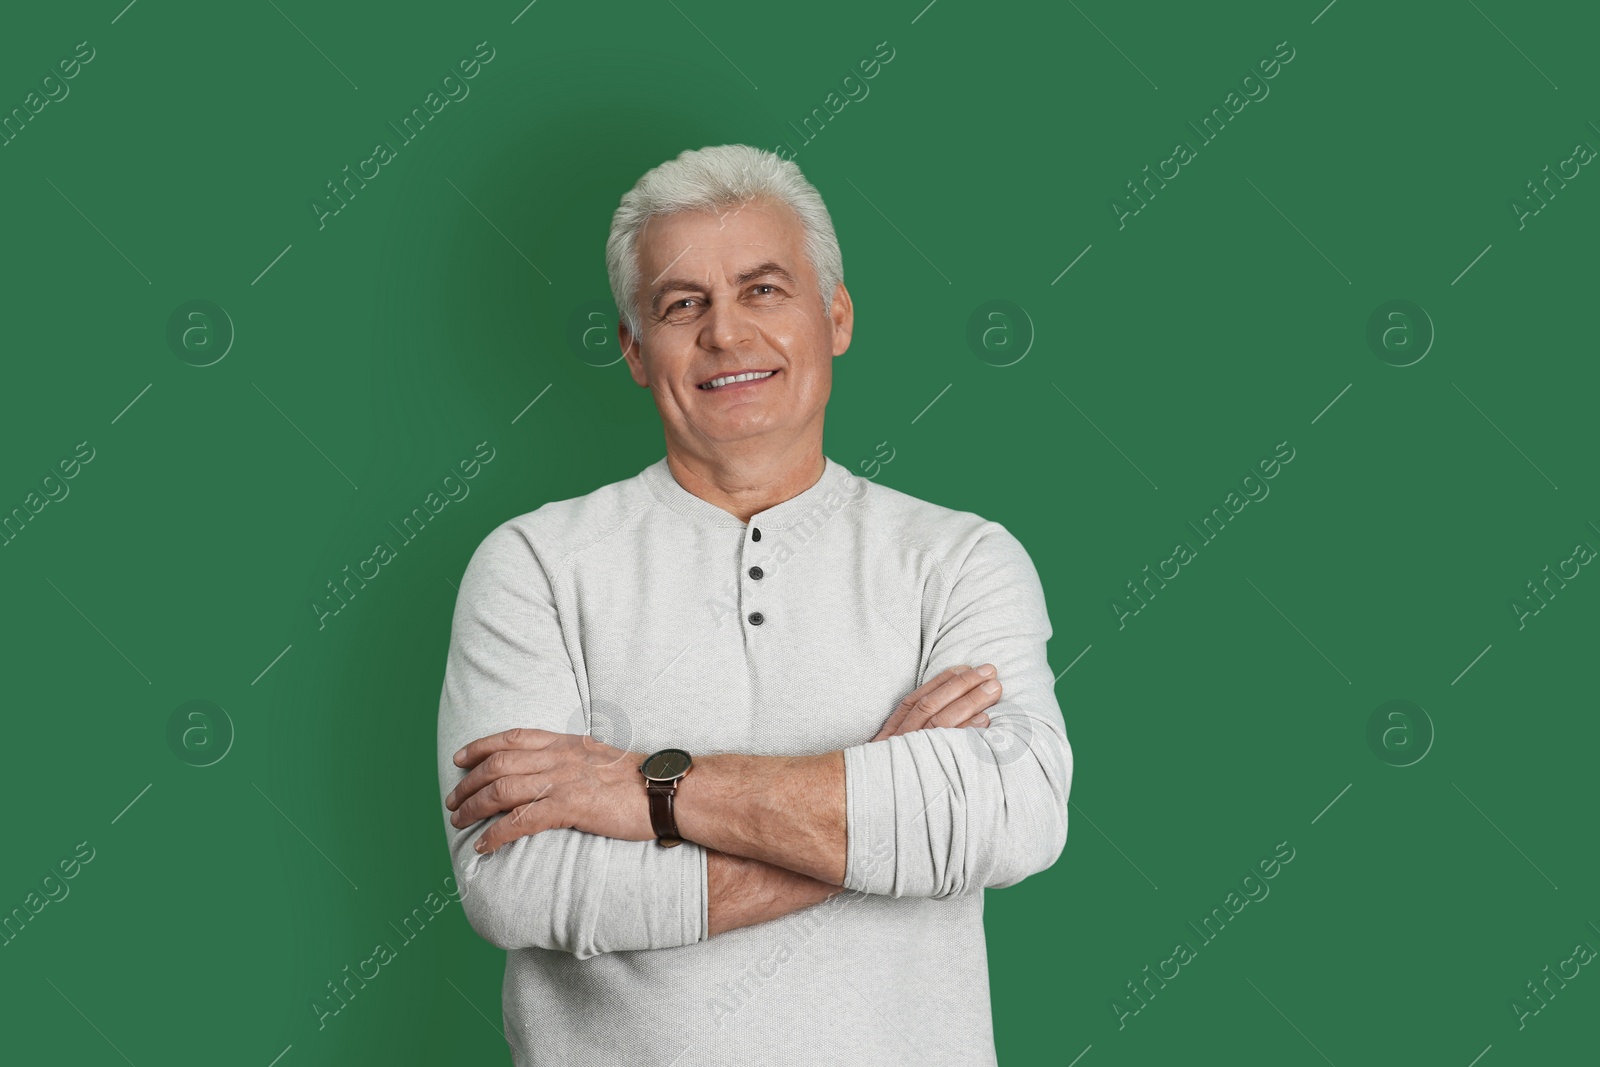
752	376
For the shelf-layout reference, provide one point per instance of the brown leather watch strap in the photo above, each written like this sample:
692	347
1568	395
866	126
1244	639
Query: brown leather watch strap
662	818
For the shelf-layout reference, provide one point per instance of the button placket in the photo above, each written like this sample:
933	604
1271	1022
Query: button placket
755	618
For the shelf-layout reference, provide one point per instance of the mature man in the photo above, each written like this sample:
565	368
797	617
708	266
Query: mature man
684	713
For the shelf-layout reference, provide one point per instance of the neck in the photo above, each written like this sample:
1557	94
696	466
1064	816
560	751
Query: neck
747	484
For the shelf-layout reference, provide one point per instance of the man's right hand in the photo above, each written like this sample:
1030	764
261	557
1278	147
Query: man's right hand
954	697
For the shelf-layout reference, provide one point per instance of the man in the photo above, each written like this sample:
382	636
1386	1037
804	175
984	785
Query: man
684	713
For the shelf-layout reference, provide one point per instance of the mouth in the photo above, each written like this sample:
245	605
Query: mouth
736	382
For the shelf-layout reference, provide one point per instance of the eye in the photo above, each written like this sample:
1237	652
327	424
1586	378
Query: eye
764	285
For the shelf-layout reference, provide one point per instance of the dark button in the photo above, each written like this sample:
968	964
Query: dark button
756	573
756	618
755	535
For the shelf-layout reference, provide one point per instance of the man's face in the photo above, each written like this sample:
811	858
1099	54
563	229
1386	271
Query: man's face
732	292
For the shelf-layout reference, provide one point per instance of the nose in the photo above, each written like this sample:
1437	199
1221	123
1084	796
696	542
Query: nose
727	325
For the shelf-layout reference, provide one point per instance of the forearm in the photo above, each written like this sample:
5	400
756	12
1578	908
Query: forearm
787	811
744	892
936	812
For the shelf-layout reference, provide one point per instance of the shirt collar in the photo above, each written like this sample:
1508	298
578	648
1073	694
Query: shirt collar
836	478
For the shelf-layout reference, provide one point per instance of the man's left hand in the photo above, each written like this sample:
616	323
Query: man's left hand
547	781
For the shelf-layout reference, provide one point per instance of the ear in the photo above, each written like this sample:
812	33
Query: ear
843	315
630	351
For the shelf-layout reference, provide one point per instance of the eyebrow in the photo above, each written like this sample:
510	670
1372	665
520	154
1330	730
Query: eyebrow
764	270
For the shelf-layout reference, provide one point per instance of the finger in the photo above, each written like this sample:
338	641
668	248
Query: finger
980	719
497	765
964	707
519	737
892	725
525	821
967	684
502	794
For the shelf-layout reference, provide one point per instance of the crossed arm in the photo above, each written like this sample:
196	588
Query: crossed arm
569	861
768	855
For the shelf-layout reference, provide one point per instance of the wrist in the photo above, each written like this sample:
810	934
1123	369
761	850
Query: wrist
663	773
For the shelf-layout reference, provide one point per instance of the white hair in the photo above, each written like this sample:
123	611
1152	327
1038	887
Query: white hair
711	179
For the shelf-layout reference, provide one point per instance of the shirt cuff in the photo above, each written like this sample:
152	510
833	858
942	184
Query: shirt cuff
698	883
869	816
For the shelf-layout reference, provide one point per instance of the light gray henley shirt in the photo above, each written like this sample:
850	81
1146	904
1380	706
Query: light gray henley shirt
650	618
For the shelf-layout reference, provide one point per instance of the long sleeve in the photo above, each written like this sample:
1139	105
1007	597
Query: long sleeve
509	666
941	812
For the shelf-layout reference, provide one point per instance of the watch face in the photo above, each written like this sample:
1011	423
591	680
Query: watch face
666	765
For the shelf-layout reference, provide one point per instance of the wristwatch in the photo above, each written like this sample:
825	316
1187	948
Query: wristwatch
662	772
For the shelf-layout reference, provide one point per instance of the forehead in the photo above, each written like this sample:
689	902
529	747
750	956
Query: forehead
726	240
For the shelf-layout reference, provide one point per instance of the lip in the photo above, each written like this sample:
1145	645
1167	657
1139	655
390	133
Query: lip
737	387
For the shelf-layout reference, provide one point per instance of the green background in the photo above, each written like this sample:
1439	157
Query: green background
1227	316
